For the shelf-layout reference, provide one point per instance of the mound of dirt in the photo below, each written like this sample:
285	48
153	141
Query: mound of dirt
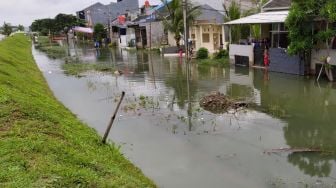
220	103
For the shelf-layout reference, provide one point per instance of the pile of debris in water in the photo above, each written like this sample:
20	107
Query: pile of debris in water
220	103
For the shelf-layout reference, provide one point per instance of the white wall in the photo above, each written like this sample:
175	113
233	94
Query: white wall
171	39
123	41
318	54
242	50
211	29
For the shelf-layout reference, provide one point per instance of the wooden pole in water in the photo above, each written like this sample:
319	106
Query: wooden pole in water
112	119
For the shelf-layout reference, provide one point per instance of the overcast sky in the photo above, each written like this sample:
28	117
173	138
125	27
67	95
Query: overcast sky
25	11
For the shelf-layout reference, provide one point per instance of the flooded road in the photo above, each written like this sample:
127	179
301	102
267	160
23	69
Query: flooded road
162	129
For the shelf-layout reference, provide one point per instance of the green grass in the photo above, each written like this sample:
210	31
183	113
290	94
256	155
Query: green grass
42	144
213	62
76	69
52	49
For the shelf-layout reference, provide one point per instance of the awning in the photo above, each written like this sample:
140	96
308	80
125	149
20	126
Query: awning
83	30
264	17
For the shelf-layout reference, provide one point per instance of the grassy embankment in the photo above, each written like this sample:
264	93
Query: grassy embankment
73	65
42	144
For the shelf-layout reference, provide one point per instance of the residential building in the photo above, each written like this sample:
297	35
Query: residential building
104	14
273	36
207	30
149	29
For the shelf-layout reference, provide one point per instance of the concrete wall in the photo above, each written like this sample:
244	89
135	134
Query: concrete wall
318	54
242	50
130	35
155	33
280	61
123	41
171	40
213	30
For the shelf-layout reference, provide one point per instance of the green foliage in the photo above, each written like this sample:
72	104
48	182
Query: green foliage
21	28
43	26
42	143
224	62
300	24
233	13
56	25
51	48
202	53
174	22
76	68
7	29
99	31
221	54
256	30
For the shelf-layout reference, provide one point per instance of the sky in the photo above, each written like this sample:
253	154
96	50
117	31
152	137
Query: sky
24	12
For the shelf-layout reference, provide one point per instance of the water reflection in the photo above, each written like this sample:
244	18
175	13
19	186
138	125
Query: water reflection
309	112
288	111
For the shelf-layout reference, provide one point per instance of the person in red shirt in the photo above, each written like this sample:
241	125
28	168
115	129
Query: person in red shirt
266	58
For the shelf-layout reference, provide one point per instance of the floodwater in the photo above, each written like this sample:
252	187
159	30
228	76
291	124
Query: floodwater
162	130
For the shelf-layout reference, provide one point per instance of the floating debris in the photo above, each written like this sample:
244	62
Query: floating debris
220	103
294	150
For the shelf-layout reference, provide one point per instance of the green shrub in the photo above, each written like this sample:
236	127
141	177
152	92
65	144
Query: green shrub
202	53
221	54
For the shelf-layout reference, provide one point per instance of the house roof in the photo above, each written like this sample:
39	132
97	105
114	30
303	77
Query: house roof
210	14
277	4
101	13
98	4
264	17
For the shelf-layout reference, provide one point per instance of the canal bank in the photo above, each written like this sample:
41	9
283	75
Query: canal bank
42	143
162	129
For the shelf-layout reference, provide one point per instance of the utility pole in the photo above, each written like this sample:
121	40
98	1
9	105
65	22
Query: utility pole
148	12
185	7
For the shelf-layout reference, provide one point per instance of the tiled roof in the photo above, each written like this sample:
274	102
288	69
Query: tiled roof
210	14
103	13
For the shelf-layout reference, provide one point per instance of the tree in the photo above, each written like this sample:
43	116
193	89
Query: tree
99	31
7	29
56	25
65	20
21	28
309	24
300	24
174	21
43	26
256	28
233	13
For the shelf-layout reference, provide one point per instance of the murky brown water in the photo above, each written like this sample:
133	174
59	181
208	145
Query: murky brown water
162	129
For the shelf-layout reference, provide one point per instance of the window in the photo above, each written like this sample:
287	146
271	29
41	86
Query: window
206	37
122	31
279	36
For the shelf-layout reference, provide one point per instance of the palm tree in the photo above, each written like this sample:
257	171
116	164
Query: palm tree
174	21
233	13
